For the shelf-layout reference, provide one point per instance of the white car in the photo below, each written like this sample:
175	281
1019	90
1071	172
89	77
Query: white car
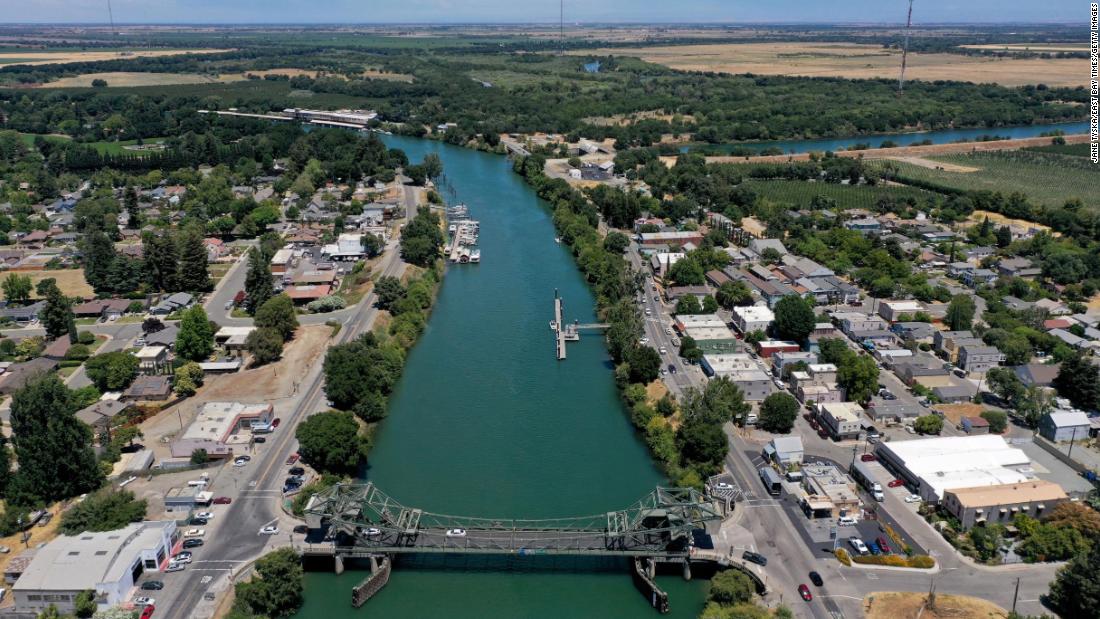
205	515
240	463
858	544
144	601
373	532
913	498
182	558
456	533
668	330
269	530
643	341
723	486
663	350
175	566
194	533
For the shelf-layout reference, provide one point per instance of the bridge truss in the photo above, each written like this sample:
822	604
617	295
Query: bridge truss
360	518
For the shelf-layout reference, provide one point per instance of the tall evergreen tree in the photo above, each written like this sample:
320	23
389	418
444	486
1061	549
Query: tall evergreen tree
195	340
132	210
53	447
57	316
192	274
5	465
161	261
99	255
1078	380
257	282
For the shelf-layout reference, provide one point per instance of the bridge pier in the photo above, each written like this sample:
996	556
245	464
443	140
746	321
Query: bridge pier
687	570
338	564
380	568
643	574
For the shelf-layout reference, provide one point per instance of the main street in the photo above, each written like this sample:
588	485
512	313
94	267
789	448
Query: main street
234	539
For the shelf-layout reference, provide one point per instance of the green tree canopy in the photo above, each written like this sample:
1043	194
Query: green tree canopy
1079	381
731	587
960	313
928	424
195	340
278	590
258	287
794	319
112	371
330	442
265	345
778	412
279	315
17	288
1075	591
105	510
858	375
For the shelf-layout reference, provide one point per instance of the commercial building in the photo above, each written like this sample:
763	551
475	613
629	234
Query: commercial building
1000	504
742	370
771	347
220	427
935	465
891	412
752	318
785	450
710	333
715	364
678	239
840	419
282	261
109	563
893	310
828	492
348	247
782	359
754	384
858	322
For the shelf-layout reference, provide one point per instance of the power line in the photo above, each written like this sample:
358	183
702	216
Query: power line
111	16
905	52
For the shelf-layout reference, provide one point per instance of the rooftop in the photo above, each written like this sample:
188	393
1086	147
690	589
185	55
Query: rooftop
214	421
1005	494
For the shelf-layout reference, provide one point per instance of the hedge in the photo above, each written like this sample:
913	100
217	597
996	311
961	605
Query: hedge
923	562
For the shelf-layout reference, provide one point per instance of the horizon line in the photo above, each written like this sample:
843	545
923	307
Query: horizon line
538	23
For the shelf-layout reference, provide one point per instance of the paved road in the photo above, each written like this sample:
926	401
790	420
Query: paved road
235	539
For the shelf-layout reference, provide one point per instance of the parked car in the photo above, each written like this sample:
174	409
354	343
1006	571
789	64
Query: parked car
175	566
882	545
269	530
152	585
205	515
259	439
239	463
183	557
868	458
873	547
275	423
858	545
754	557
897	483
301	529
244	457
144	601
804	591
222	500
846	521
147	612
913	498
192	543
194	533
197	521
292	458
297	470
816	579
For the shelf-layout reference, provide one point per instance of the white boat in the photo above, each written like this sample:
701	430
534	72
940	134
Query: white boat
475	256
553	326
557	239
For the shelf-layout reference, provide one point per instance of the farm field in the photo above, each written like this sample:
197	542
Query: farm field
1031	47
104	147
858	62
1047	179
61	57
139	78
1072	150
244	92
800	193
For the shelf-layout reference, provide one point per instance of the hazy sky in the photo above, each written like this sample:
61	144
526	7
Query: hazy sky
532	11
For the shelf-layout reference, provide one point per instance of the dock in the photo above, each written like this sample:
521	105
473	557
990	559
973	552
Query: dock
559	332
568	332
462	248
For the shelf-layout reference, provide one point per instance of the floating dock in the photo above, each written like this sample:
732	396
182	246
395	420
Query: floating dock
462	248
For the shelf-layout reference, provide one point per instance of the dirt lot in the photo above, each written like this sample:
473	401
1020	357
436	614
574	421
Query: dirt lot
264	384
40	58
954	413
997	219
37	535
893	605
70	281
934	165
859	61
119	78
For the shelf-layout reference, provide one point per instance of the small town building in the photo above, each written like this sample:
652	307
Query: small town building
840	419
1000	504
893	311
149	388
828	492
1062	426
752	318
979	359
975	425
785	451
768	348
220	428
932	466
153	359
100	414
1037	374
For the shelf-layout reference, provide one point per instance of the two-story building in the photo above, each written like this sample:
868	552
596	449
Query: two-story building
977	359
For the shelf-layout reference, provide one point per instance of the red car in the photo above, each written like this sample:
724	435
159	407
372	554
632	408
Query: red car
222	500
147	611
883	546
804	591
868	458
292	458
275	423
897	483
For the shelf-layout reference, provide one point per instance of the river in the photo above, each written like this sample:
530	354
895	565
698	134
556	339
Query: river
485	422
945	136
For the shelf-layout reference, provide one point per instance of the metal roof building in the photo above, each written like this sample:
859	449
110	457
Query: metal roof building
936	465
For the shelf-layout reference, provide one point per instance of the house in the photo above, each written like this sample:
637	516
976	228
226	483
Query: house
57	349
957	269
840	419
233	338
661	262
221	428
306	294
149	388
781	360
1016	304
282	260
918	366
18	374
166	337
931	234
152	359
106	309
890	412
954	392
1069	338
858	322
784	451
173	303
1017	267
1037	374
759	245
1002	503
866	225
1061	426
979	277
215	248
109	563
22	314
1052	307
752	318
796	267
949	342
678	239
673	293
975	425
100	414
978	359
916	331
976	254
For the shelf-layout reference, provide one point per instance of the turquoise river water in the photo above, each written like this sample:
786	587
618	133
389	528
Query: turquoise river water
486	422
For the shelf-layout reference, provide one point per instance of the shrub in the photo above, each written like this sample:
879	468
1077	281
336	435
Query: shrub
843	557
86	338
327	304
922	562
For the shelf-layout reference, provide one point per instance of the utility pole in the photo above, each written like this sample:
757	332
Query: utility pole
1071	441
905	52
561	27
1015	596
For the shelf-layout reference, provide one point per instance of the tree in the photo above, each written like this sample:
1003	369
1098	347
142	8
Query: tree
278	314
833	350
389	290
1079	381
195	340
998	421
960	313
278	590
433	165
734	294
373	245
112	371
5	465
702	442
687	272
928	424
858	375
731	587
688	305
17	288
151	325
84	606
645	364
192	275
52	446
1075	591
188	379
1004	237
105	510
690	350
422	238
257	282
778	412
133	211
794	319
265	344
616	242
161	261
57	315
987	541
770	255
199	457
330	442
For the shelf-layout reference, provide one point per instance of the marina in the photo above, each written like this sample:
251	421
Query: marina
462	236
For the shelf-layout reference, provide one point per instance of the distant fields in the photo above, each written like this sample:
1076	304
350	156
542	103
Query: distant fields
235	94
1047	178
104	147
60	57
799	193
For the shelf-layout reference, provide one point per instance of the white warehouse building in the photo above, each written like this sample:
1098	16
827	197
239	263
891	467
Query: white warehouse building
752	318
935	465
